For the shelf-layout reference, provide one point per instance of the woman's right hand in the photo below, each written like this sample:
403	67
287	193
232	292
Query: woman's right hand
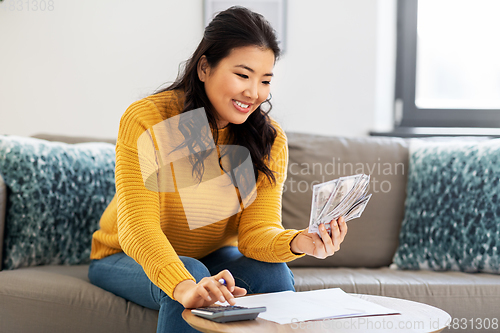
208	291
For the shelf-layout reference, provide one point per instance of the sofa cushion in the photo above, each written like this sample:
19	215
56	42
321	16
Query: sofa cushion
372	239
57	298
57	193
452	214
462	295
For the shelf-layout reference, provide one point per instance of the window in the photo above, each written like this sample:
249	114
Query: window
448	67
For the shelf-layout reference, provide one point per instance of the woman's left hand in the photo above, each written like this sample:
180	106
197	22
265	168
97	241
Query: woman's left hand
324	246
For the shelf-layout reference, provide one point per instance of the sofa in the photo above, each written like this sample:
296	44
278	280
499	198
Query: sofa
58	297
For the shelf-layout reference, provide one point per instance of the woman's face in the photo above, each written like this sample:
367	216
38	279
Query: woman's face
239	83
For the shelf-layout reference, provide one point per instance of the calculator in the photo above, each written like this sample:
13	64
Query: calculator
224	314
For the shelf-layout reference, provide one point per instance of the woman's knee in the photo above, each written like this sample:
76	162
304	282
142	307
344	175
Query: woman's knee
92	275
281	278
263	277
99	270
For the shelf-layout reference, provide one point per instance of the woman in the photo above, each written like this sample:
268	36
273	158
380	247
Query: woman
145	250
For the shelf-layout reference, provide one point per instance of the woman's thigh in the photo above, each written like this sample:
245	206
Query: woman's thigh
253	275
124	277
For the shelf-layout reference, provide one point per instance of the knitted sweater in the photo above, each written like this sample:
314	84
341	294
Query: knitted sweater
151	226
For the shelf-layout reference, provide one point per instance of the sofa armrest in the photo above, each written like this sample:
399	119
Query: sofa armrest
71	139
3	204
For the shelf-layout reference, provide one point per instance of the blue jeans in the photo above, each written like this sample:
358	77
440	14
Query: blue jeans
124	277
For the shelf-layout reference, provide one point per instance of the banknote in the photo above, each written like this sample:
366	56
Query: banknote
345	196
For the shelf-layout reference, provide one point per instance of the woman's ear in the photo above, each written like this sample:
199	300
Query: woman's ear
202	68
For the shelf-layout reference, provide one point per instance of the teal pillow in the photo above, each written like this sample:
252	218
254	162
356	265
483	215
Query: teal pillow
452	208
56	194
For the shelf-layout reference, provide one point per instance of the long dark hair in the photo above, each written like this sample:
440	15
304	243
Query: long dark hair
232	28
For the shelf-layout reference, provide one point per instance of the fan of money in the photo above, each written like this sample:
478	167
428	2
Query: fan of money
345	196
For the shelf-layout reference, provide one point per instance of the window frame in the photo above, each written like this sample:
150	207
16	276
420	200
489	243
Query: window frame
407	114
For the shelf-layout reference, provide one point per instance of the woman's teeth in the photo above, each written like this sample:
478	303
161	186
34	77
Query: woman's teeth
241	104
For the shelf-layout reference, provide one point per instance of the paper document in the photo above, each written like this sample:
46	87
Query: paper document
288	307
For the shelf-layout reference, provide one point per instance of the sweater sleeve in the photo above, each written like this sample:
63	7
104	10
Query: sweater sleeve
261	235
138	206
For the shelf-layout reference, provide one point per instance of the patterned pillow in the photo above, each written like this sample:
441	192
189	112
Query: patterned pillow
56	195
452	208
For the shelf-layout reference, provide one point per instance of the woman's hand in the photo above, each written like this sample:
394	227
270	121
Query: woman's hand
313	245
208	291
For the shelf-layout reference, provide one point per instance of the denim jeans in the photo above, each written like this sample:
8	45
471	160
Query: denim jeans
124	277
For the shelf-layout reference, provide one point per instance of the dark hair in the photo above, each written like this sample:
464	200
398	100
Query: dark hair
232	28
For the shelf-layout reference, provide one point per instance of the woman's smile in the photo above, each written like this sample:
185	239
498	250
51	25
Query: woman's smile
242	107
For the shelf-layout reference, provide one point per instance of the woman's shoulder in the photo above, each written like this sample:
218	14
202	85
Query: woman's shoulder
169	103
278	157
281	141
143	114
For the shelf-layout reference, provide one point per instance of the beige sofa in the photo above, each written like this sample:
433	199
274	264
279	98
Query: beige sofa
61	299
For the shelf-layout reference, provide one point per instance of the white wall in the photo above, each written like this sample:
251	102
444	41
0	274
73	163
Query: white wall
74	70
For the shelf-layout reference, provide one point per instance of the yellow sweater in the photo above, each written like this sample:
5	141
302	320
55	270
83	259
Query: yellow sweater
152	228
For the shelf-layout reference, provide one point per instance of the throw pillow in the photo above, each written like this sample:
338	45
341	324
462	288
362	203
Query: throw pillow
452	208
57	193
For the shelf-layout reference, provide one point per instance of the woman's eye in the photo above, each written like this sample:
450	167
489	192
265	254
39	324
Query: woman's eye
266	82
242	75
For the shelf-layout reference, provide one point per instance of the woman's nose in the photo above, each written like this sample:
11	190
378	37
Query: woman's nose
251	92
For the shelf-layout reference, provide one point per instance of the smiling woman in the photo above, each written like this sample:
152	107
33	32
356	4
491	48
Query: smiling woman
230	43
239	83
146	249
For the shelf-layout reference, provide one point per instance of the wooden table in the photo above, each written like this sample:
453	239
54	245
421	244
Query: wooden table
414	317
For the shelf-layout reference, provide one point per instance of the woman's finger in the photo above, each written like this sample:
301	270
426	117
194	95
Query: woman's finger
226	284
212	287
200	289
327	241
343	228
336	238
228	296
318	250
239	292
227	279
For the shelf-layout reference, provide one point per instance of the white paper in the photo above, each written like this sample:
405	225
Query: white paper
288	307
